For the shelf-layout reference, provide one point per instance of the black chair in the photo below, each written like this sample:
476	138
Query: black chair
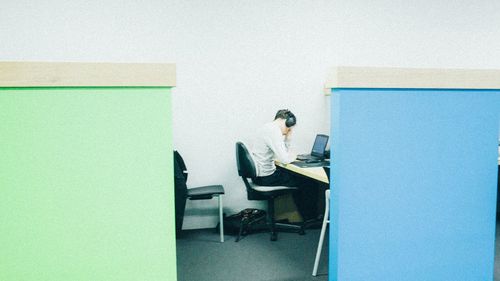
182	193
246	169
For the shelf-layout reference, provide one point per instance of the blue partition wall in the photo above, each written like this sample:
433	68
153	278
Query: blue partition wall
414	184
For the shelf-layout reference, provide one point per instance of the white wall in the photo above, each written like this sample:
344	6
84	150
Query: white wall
240	61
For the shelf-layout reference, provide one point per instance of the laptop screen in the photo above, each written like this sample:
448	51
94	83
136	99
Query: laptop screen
319	146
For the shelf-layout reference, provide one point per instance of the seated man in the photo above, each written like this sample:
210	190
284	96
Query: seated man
271	144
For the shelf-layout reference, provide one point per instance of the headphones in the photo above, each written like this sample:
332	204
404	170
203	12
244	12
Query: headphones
290	119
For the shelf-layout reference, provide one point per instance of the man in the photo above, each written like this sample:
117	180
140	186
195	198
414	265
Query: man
272	143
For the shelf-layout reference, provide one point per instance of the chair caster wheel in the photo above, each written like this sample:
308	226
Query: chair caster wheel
274	237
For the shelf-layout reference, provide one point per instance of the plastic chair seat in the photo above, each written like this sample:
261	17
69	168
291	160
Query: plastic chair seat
182	192
204	192
262	188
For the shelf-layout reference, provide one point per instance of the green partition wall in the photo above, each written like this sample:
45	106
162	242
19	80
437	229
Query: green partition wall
86	185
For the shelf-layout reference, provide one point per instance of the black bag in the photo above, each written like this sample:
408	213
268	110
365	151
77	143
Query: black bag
243	222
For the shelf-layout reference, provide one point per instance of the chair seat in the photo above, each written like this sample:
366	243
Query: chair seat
262	188
204	192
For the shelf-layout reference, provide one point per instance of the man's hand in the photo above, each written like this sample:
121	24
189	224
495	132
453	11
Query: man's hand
293	155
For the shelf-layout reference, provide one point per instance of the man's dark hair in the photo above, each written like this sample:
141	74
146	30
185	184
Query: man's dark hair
283	114
286	114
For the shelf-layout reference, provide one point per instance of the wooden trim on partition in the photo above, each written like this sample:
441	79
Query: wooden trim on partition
76	74
425	78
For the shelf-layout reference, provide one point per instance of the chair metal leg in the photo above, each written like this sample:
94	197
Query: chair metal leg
221	220
240	233
323	230
270	212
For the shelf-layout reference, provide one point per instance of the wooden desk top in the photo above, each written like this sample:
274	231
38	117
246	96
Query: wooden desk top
316	173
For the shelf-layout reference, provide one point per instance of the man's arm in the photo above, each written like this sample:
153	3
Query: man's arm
277	144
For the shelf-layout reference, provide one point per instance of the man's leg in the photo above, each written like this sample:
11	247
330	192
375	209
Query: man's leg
305	198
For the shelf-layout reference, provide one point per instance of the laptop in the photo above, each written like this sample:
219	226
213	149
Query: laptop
318	149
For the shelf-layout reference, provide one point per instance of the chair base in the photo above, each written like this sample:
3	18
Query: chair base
287	227
274	226
284	227
314	223
281	227
278	227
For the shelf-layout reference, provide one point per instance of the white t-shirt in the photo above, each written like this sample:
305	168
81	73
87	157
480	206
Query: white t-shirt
270	145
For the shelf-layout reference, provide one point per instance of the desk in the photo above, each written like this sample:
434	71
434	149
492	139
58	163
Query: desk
316	173
284	205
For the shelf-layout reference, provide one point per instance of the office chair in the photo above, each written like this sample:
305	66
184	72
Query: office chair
247	170
182	193
323	227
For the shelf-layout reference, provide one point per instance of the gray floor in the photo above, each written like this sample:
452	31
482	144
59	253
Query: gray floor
200	256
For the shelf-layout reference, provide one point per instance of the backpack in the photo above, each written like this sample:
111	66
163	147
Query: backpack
243	222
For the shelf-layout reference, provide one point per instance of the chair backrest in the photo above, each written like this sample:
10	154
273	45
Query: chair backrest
244	161
180	190
246	170
180	166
